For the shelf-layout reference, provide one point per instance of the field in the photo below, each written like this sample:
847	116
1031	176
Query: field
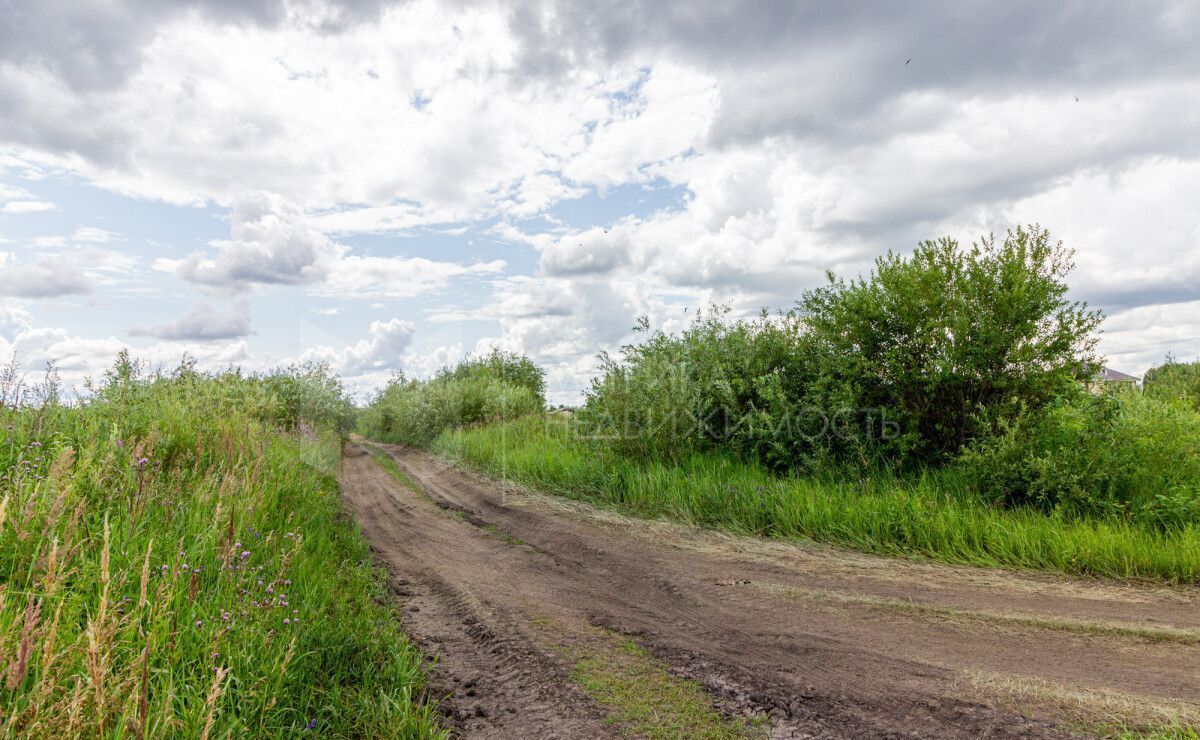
175	562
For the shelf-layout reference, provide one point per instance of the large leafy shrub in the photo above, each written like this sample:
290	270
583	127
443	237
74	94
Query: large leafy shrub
904	366
721	383
1119	454
948	343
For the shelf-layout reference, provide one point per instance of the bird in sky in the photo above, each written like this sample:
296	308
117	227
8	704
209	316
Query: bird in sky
906	61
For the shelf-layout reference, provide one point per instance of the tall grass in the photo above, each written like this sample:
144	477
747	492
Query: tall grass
174	564
935	515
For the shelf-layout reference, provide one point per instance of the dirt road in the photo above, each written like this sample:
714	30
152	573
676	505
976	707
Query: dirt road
502	585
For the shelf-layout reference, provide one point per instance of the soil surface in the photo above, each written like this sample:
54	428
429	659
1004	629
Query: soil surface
826	643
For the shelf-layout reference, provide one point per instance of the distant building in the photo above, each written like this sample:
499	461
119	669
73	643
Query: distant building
1109	378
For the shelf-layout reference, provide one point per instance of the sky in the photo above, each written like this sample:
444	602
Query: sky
388	186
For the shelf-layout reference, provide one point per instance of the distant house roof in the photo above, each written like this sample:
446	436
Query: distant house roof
1108	375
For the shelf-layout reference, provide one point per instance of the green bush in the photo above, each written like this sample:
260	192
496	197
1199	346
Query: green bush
948	344
720	384
901	368
1118	455
413	412
1175	380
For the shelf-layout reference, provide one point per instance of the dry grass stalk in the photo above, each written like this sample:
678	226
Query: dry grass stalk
60	469
218	517
19	667
97	667
104	573
49	582
214	695
145	575
283	666
48	656
75	709
144	694
199	453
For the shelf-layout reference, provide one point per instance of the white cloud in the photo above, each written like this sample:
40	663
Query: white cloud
426	365
382	352
394	277
27	206
48	276
13	321
270	242
273	242
94	235
204	321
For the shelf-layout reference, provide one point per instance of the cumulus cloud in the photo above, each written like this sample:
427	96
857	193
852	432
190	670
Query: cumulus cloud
49	276
593	251
273	242
203	322
269	243
13	321
383	351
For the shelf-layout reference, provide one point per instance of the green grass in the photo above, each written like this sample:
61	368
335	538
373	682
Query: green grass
172	564
385	461
643	699
932	516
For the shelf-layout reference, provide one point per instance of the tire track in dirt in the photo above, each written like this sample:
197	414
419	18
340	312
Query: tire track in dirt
726	614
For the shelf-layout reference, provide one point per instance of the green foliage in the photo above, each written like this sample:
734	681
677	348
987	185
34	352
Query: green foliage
509	367
935	515
950	343
413	412
175	562
720	384
311	393
903	367
1116	455
1175	380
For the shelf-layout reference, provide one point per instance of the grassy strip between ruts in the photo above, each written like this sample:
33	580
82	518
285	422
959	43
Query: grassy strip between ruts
643	699
1099	628
385	461
639	695
928	516
1108	714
